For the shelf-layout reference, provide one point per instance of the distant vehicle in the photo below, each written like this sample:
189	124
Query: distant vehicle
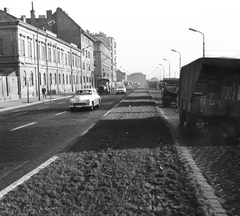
152	84
121	90
169	91
129	87
85	98
209	95
103	86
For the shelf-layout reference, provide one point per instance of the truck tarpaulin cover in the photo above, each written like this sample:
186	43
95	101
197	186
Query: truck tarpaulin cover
191	72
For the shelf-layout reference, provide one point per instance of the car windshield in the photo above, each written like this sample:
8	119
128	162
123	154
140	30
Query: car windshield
84	92
121	87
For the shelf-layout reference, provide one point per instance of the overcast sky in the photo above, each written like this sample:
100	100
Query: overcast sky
146	30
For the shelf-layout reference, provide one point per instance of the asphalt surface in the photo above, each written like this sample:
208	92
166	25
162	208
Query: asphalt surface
218	163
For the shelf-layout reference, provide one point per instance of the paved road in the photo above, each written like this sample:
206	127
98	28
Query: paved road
32	134
217	158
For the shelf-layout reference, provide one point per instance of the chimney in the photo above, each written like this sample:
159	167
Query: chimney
23	18
32	16
6	10
49	14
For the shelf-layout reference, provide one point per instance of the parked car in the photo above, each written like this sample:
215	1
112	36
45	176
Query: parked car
85	98
121	90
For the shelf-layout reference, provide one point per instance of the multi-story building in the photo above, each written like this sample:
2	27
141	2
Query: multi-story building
111	44
31	57
68	30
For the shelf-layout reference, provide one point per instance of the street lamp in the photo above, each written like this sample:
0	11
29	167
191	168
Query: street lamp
179	60
169	65
203	39
50	23
163	70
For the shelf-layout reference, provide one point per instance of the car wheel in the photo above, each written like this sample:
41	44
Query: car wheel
98	103
72	109
92	107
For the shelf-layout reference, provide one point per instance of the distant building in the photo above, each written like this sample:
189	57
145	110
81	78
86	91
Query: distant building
137	78
111	44
121	76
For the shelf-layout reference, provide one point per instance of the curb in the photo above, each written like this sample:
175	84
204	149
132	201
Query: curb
27	176
30	104
208	191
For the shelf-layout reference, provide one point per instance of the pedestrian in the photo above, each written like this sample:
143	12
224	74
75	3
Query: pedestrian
44	92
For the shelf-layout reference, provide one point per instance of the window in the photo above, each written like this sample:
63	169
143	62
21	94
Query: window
66	58
49	54
62	58
83	65
44	79
58	55
1	47
70	81
54	54
29	48
66	79
50	79
59	77
69	59
24	78
63	80
32	80
40	79
55	77
43	52
22	47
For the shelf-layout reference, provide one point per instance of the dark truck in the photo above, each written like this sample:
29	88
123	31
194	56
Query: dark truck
209	96
152	84
169	91
103	86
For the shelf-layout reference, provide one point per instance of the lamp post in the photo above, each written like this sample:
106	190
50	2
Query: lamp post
203	39
169	65
179	60
163	70
50	23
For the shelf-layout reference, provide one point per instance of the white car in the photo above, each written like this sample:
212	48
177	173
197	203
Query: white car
121	90
85	98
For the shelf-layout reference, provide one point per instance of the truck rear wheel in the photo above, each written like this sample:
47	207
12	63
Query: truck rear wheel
182	116
191	124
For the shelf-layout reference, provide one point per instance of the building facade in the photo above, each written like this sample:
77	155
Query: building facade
111	44
31	58
137	78
68	30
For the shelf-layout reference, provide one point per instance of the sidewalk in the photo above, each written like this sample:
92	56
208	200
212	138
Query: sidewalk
13	104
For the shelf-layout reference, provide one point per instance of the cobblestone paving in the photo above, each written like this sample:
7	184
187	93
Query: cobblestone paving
218	160
221	166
